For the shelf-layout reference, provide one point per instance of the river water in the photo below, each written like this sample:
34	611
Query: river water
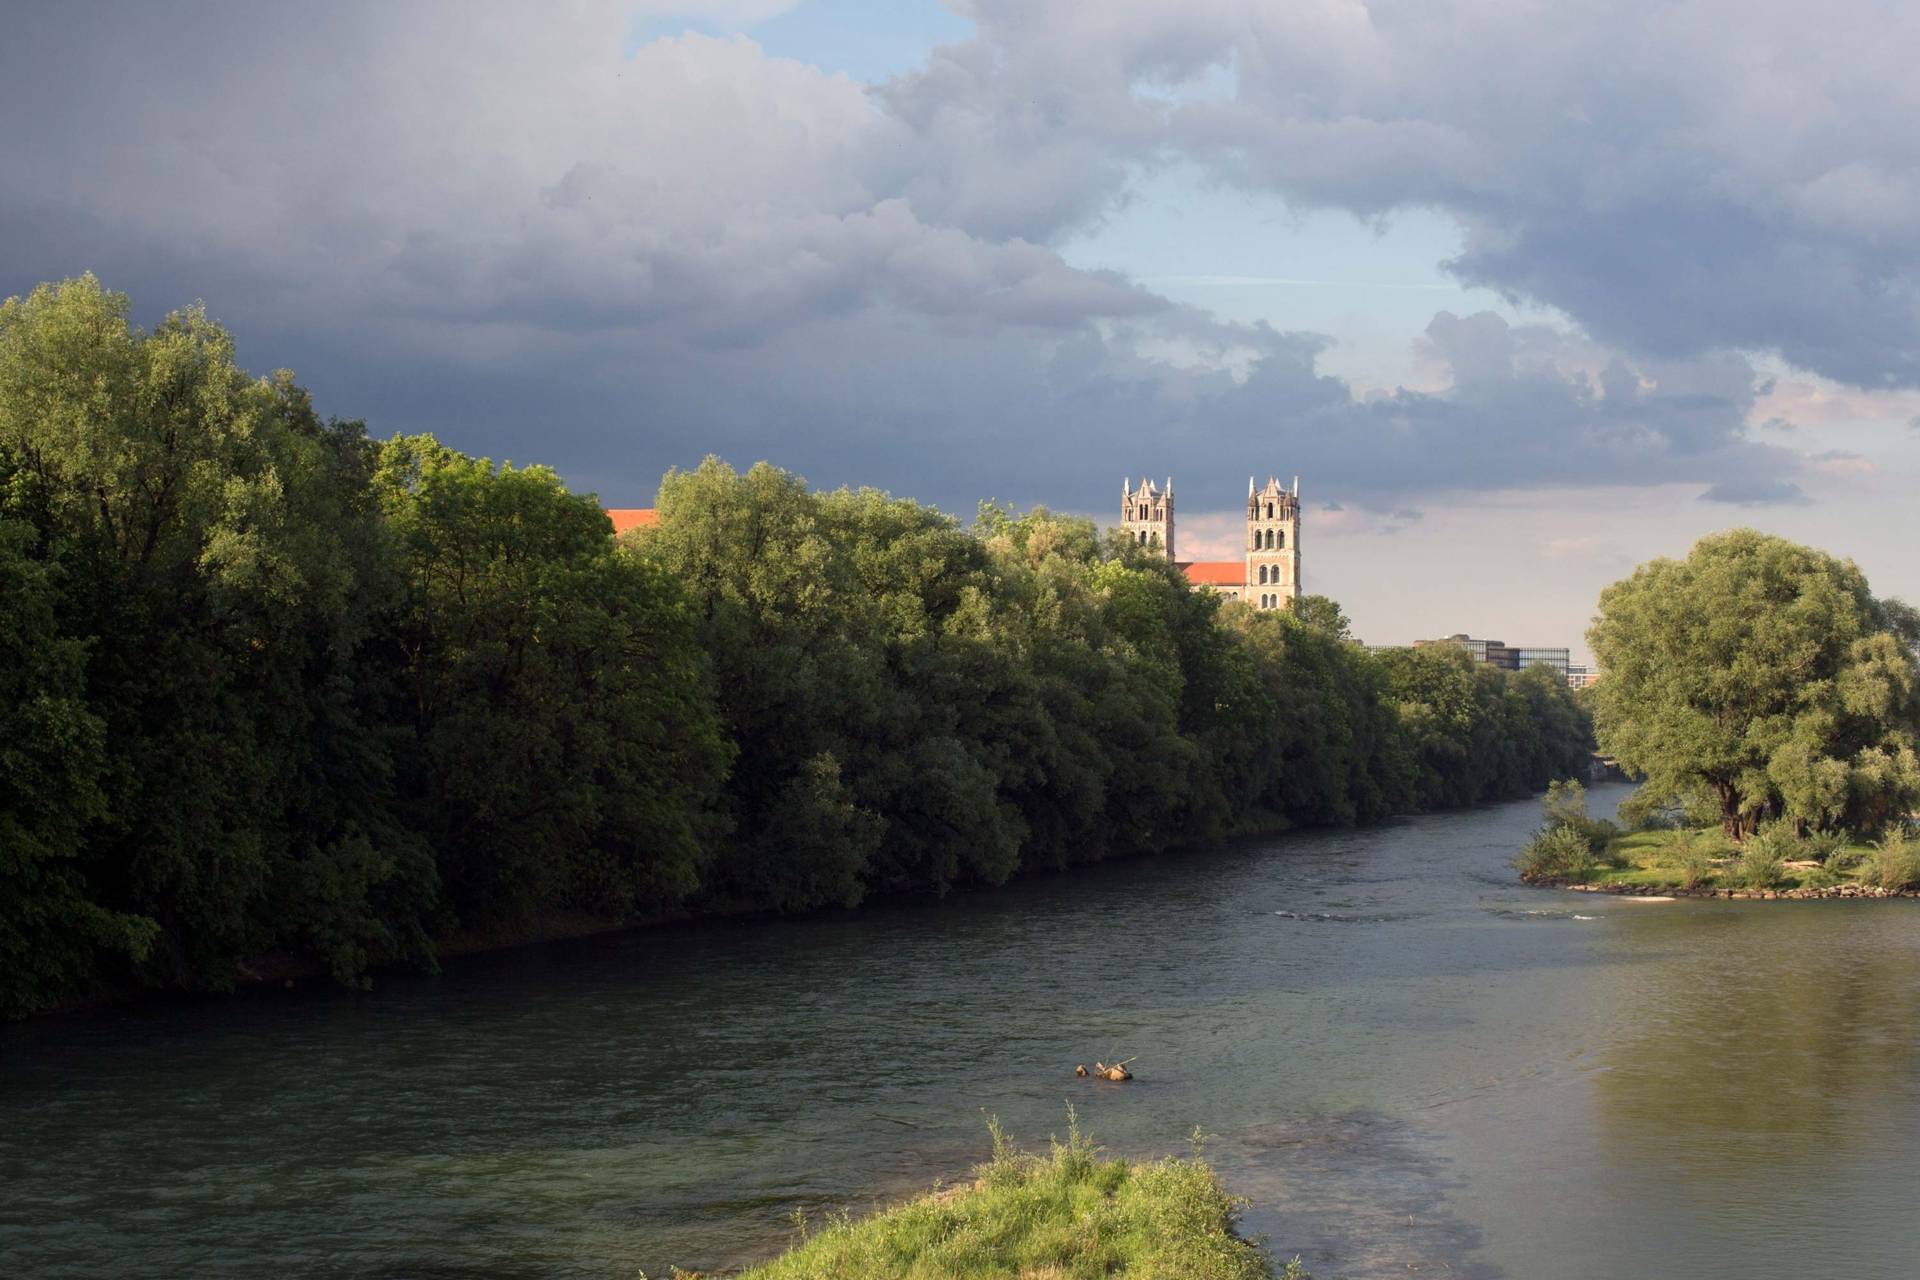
1409	1063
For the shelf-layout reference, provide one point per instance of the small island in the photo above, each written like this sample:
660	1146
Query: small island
1070	1213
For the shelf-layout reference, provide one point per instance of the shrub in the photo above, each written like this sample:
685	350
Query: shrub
1557	853
1824	877
1695	861
1823	846
1646	811
1895	861
1764	855
1565	808
1843	859
1565	803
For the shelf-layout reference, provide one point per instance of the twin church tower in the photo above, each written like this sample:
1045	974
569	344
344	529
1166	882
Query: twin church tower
1269	576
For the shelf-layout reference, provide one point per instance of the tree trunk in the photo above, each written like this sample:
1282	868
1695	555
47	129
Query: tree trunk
1730	822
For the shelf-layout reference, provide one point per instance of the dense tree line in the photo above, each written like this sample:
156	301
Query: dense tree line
279	696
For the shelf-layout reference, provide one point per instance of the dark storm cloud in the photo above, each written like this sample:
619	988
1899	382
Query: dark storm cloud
1679	177
488	222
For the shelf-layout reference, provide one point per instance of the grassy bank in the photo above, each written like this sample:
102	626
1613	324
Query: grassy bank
1066	1215
1696	860
1702	860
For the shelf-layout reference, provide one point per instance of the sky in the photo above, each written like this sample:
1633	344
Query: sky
1525	291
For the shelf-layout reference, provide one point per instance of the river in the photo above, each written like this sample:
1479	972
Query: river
1408	1062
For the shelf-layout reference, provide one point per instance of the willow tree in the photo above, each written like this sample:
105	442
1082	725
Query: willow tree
1766	674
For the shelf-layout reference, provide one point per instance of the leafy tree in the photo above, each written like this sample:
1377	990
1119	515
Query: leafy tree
1323	614
205	531
52	759
563	751
1765	673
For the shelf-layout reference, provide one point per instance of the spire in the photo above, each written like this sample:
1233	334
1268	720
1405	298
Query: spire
1296	486
1249	486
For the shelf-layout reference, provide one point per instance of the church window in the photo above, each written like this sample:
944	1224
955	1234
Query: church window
1283	539
1269	511
1263	575
1269	539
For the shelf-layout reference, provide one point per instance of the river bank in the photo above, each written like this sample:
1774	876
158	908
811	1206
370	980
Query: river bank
287	970
1860	892
1700	863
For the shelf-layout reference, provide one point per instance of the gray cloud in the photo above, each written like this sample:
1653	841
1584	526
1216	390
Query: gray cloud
1756	493
1681	178
485	221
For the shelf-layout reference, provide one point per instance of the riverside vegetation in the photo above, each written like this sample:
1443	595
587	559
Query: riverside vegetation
1664	850
1071	1214
1772	704
278	697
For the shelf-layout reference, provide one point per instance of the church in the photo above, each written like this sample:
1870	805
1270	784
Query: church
1269	575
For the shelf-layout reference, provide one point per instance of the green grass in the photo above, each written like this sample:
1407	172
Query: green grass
1071	1214
1657	858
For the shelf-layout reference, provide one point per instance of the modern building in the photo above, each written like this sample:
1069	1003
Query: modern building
1582	677
1558	659
1498	653
1268	574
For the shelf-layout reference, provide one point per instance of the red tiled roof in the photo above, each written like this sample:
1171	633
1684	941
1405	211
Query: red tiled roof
1216	573
625	518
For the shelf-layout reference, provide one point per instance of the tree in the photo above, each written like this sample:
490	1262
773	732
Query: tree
205	534
1766	673
52	759
563	749
1323	614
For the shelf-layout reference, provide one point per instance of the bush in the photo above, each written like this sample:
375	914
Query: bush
1697	858
1565	806
1821	878
1763	858
1646	811
1894	862
1823	846
1557	853
1565	803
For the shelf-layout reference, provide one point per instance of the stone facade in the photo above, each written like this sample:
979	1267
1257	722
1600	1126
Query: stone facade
1146	514
1273	544
1268	577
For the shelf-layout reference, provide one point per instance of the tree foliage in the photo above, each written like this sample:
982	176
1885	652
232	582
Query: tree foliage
1765	674
275	697
272	699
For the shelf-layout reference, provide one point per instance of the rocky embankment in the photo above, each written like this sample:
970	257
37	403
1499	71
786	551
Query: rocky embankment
1709	891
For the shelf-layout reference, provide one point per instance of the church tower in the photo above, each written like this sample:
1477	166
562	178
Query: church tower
1146	514
1273	544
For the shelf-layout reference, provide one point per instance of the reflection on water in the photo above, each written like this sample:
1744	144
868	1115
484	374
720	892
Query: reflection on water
1411	1065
